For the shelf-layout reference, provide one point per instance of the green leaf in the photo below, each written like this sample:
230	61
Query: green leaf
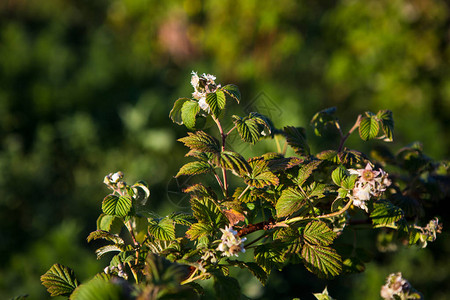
385	213
59	280
262	180
195	168
321	120
348	182
232	91
199	191
323	296
322	261
368	128
109	223
162	230
387	124
269	255
248	129
306	170
98	288
318	233
206	210
199	230
201	141
329	155
338	175
108	248
175	113
182	218
234	161
116	205
189	113
290	201
257	271
295	137
140	192
216	102
102	234
226	288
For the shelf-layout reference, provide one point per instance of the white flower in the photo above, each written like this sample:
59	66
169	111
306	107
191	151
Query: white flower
395	285
203	105
366	174
210	79
111	178
231	243
203	85
370	184
194	80
116	177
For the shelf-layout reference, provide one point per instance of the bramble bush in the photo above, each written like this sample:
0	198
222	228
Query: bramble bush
287	210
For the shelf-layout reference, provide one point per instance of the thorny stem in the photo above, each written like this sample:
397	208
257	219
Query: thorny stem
344	138
136	245
296	219
224	171
271	223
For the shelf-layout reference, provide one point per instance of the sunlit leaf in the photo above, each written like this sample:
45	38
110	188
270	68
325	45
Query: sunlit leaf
195	168
175	113
163	229
322	261
385	213
368	128
98	288
318	233
305	170
232	91
102	234
201	141
339	174
108	248
234	161
199	230
189	113
59	280
290	201
216	102
116	205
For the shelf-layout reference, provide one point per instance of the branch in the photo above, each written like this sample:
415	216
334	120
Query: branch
344	138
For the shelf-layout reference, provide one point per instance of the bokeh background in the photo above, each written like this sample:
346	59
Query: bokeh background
86	88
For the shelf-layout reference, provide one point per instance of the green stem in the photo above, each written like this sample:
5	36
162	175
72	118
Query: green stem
278	144
224	171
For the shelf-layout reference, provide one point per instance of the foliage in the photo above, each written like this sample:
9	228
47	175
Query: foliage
299	205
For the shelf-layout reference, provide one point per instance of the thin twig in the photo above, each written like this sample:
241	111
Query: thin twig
344	138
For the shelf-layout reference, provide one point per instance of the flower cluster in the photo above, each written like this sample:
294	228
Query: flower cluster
369	184
429	232
114	180
203	85
397	286
116	270
231	243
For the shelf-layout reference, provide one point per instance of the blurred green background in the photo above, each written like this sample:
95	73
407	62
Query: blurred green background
86	88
